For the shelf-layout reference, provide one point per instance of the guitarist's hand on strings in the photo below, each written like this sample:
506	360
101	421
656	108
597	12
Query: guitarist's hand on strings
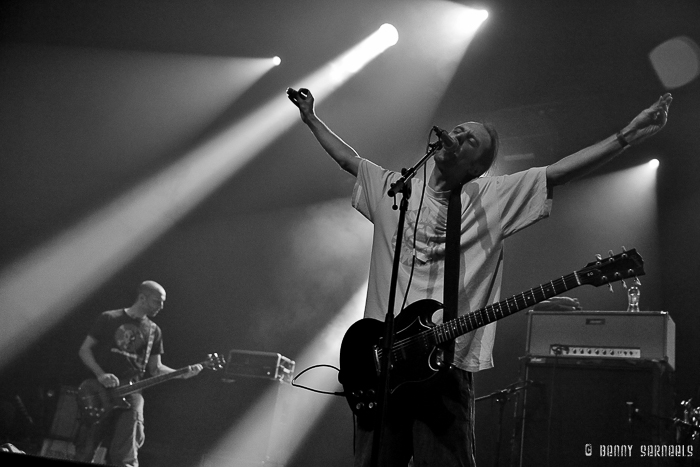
108	380
193	371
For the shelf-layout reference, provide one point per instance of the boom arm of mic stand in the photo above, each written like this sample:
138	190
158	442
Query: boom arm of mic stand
407	175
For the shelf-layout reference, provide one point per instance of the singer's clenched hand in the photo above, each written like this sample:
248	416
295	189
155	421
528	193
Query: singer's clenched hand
339	150
304	100
649	121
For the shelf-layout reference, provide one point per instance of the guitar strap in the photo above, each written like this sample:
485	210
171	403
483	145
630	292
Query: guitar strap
452	259
151	338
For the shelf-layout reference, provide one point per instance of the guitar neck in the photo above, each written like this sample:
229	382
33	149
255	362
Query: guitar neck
466	323
148	382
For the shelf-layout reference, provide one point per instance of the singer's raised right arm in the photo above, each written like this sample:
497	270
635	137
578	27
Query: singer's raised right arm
341	152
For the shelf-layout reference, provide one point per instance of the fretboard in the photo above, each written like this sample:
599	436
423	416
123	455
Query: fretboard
148	382
463	324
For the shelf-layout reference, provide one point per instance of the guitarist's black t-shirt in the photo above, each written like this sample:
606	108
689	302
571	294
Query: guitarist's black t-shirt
122	342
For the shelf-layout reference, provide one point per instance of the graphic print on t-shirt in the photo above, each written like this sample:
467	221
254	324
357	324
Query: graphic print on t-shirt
430	237
129	339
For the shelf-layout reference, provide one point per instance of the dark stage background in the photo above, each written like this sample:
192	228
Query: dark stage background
98	97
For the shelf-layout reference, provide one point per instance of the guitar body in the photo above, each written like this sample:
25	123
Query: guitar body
359	360
416	353
96	402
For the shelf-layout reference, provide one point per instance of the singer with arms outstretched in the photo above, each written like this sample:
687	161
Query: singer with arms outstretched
433	422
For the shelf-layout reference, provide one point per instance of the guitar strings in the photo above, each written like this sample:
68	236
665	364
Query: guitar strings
467	319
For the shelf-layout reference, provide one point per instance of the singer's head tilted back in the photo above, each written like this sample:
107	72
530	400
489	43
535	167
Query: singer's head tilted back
478	146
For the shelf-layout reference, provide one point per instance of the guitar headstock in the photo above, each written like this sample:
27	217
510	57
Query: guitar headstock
214	362
617	267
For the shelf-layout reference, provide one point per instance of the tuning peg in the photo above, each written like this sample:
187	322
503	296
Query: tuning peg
610	252
624	284
624	252
598	257
610	287
637	281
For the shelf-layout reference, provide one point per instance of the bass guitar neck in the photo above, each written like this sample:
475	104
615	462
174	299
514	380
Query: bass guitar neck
95	401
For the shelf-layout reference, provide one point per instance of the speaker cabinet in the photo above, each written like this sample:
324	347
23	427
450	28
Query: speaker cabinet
581	412
64	427
65	421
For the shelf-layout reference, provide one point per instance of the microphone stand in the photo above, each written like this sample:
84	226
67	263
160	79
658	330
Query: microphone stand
502	397
400	186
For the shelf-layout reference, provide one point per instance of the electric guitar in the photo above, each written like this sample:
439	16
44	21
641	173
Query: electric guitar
95	401
416	355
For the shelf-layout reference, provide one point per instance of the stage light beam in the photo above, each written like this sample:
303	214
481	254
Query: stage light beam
253	434
357	58
36	291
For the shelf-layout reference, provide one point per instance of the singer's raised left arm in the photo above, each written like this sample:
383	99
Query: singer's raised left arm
644	125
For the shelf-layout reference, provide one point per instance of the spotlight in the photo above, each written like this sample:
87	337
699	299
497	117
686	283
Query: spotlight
653	164
388	34
276	60
481	15
465	21
676	61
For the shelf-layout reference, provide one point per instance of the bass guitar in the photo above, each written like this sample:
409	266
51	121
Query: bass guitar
416	354
95	401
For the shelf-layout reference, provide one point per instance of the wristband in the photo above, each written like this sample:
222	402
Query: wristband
621	139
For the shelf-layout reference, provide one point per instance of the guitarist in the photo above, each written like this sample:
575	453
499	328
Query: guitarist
437	426
124	345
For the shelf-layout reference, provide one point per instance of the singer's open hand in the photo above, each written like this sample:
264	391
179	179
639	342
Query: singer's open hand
304	100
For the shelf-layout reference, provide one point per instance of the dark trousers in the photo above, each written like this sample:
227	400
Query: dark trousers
121	433
431	422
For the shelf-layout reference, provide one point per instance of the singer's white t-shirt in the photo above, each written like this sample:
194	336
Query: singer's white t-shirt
492	209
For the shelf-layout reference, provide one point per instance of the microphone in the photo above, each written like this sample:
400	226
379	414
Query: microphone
449	143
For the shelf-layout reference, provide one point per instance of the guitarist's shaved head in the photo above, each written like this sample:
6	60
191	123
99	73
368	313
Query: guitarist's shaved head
149	288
